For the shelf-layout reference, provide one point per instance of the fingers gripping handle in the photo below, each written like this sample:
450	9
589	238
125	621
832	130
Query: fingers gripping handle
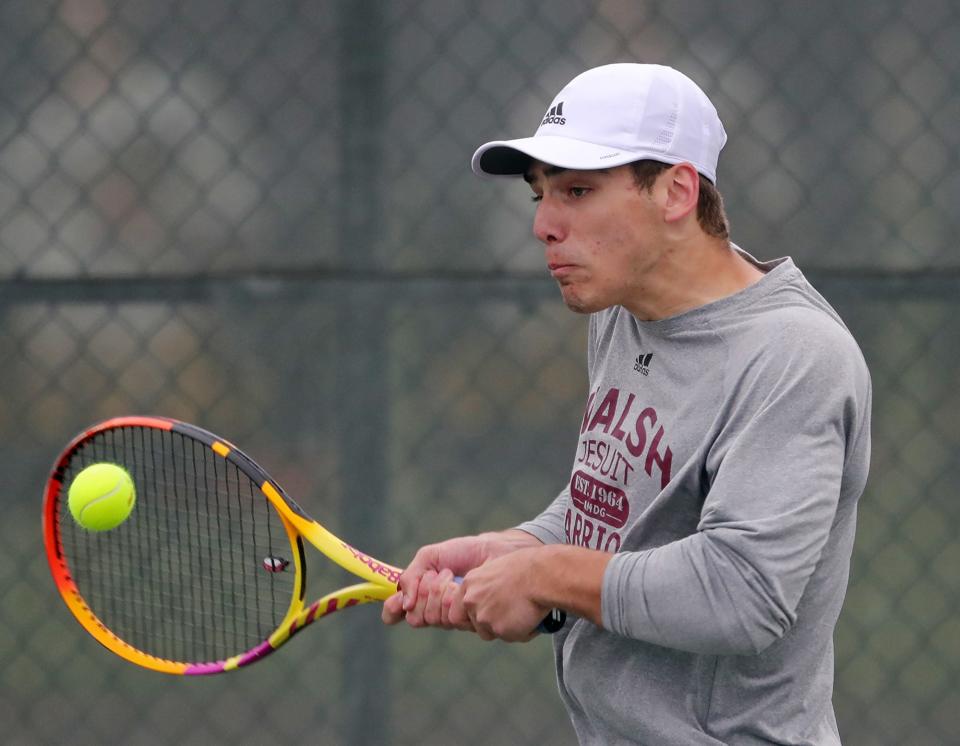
552	622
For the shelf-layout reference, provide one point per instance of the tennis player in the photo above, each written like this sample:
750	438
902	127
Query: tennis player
702	543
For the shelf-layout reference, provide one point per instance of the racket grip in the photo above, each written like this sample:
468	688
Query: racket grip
552	622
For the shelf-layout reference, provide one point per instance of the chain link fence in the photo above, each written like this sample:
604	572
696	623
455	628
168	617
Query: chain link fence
259	217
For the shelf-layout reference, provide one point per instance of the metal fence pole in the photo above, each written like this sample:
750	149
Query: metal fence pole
362	404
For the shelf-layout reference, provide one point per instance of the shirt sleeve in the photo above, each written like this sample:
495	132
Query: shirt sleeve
779	463
548	526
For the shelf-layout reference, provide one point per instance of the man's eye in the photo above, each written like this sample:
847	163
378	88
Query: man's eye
536	198
578	191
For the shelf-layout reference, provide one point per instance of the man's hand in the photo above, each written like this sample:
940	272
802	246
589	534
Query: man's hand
428	594
507	597
500	597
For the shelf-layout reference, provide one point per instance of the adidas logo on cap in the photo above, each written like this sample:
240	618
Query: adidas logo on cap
555	115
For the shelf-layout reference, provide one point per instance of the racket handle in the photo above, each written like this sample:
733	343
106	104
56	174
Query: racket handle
552	622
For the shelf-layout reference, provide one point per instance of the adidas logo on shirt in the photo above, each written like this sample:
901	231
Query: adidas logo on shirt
642	365
555	115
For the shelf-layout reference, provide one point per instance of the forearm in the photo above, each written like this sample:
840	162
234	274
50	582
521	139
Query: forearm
508	540
569	578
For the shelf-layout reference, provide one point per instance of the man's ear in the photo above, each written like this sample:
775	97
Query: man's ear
682	184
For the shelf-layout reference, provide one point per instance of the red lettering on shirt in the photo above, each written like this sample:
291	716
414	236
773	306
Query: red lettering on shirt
598	500
606	410
664	461
617	432
583	532
587	412
641	440
637	447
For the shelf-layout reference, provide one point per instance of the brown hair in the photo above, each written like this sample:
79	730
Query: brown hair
710	213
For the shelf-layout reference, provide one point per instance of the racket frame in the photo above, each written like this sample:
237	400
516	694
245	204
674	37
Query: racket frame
380	579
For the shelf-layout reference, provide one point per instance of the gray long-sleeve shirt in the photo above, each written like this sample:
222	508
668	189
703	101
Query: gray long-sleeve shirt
721	456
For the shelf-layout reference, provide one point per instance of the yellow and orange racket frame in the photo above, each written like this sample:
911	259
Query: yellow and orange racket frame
380	579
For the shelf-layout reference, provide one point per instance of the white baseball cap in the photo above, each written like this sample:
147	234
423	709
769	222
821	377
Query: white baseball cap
616	114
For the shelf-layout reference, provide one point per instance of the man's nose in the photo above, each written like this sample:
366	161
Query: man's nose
548	224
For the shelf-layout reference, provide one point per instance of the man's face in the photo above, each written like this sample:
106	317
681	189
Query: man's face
600	233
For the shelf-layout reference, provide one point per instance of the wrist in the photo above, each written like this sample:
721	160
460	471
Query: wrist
497	543
546	588
569	578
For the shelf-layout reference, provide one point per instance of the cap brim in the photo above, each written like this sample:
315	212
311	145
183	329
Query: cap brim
513	157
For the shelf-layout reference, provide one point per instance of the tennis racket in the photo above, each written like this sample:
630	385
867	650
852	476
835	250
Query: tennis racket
208	574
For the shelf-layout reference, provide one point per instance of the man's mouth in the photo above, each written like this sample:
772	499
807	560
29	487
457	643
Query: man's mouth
559	269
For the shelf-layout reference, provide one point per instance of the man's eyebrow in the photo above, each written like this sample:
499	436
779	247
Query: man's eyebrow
547	171
556	170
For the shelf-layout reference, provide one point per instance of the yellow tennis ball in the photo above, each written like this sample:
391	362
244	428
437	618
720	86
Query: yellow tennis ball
101	497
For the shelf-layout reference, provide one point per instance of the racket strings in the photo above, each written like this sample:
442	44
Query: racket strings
183	578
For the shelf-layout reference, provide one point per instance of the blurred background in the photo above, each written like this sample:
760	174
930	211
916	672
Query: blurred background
259	217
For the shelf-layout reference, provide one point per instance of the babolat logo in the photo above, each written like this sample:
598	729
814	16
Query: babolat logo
391	573
555	115
643	364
